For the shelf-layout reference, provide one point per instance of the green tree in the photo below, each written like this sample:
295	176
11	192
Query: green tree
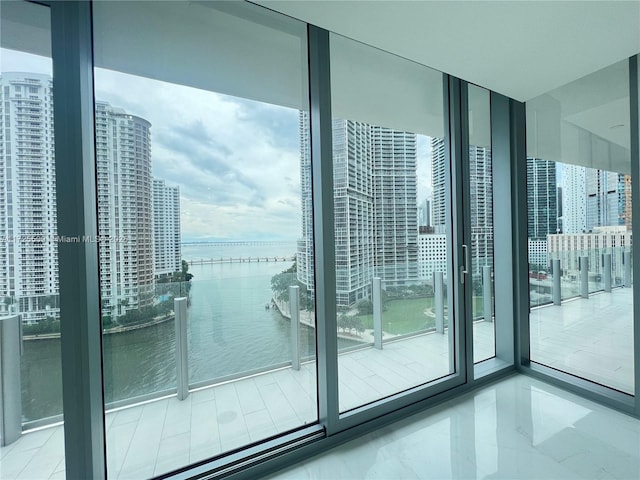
358	325
281	282
365	307
342	322
186	276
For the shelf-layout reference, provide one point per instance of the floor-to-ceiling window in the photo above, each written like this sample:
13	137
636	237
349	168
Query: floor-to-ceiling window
30	366
392	224
203	190
206	212
579	193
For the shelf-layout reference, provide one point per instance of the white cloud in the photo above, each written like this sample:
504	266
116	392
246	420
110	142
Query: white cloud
236	161
13	61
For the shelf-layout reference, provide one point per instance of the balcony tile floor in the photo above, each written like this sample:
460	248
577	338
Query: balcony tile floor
590	338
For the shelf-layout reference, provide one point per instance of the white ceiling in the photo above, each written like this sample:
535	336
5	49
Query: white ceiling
521	49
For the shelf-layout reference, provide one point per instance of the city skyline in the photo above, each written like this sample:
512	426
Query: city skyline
247	203
199	145
375	207
128	207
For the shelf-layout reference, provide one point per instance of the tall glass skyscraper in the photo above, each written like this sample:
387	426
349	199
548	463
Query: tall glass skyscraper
375	202
542	201
481	200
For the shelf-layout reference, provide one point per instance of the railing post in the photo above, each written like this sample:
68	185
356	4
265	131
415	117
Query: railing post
294	299
607	272
182	351
557	277
584	277
627	269
377	312
10	381
438	293
487	294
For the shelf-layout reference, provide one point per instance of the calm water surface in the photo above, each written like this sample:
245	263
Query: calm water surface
230	332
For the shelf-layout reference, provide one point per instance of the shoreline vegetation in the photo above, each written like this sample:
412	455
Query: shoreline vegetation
158	308
406	309
107	331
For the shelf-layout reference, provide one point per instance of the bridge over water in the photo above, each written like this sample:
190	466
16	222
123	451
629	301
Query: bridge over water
250	243
212	261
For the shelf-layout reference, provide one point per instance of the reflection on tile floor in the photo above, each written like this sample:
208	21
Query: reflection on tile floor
519	428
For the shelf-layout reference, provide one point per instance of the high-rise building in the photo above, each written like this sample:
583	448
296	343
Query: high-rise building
542	203
29	249
481	200
574	206
606	198
559	198
29	257
594	198
376	224
440	182
304	255
167	256
395	212
125	213
481	191
424	214
542	208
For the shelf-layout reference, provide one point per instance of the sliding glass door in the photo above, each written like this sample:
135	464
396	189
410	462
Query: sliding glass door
394	287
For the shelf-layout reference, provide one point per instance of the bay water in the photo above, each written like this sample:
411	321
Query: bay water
230	333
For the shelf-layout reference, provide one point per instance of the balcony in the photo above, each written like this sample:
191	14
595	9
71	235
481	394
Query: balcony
157	436
155	433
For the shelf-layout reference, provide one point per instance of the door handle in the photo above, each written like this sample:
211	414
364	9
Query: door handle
466	258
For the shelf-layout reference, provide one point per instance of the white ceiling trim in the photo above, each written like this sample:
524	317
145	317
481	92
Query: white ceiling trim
521	49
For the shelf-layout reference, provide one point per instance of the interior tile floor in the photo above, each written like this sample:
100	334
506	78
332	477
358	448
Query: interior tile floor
518	428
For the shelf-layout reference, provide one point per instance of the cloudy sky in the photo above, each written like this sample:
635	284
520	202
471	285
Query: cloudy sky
236	161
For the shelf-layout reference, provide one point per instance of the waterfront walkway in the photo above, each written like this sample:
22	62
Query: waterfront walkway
589	337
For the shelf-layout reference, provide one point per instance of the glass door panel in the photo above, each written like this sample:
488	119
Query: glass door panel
31	428
392	224
481	228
